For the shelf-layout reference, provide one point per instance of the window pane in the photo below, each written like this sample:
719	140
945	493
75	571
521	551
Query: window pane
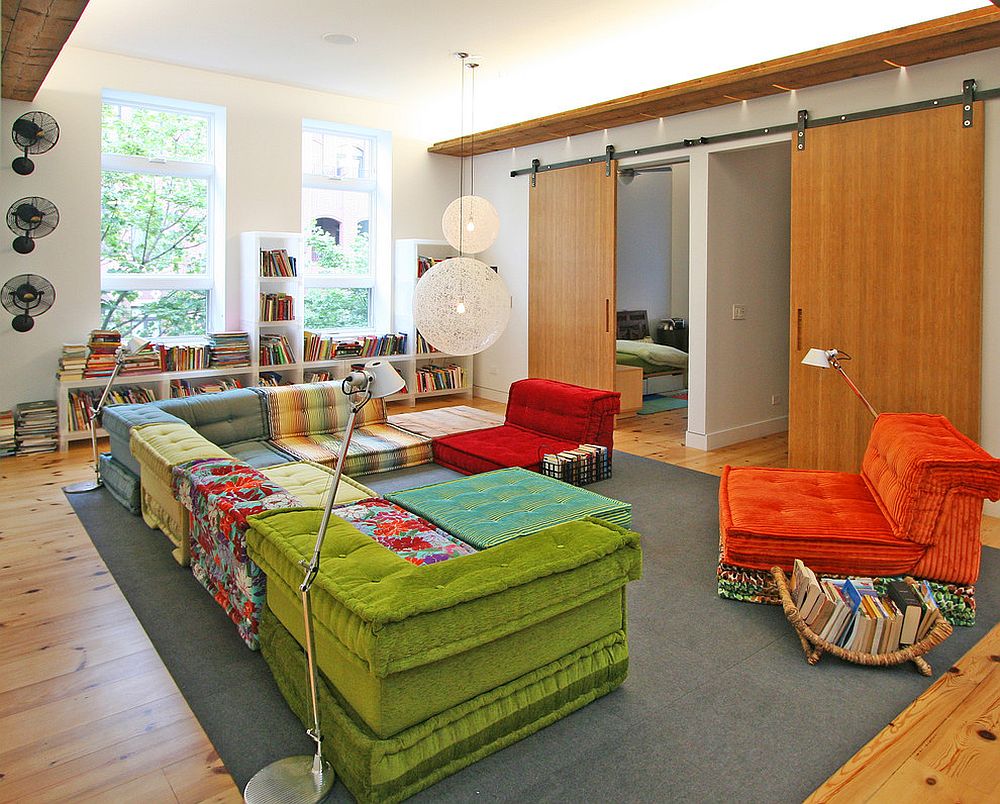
338	308
138	131
155	313
336	243
337	155
153	224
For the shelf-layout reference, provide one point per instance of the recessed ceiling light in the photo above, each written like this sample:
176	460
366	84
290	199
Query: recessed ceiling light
340	39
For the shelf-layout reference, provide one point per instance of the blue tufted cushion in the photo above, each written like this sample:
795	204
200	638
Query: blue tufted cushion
225	418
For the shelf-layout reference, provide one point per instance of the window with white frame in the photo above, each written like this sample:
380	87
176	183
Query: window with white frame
161	210
345	174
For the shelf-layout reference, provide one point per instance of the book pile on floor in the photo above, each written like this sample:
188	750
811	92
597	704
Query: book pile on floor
185	388
83	400
102	346
588	463
275	350
851	613
72	362
8	443
276	262
147	360
229	350
440	378
276	307
36	427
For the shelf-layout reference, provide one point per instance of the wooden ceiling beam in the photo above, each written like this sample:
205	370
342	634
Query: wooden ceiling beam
34	32
955	35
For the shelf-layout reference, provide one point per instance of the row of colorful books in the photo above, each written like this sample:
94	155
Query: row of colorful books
36	427
851	613
588	463
423	347
276	262
83	400
184	388
184	357
277	307
275	350
439	378
316	346
8	442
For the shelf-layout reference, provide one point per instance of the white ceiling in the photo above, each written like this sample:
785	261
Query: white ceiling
538	56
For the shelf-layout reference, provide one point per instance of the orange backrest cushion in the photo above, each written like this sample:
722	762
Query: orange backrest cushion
913	461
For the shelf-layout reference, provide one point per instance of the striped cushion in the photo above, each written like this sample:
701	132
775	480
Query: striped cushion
314	408
491	508
374	448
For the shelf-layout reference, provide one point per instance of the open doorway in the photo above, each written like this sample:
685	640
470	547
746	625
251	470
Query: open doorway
652	280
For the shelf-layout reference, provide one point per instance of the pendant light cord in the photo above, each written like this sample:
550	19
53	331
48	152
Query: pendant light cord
461	168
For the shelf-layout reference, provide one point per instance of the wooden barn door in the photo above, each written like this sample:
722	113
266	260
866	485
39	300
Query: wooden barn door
571	276
887	238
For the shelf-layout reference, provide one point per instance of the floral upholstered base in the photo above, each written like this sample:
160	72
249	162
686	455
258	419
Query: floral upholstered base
221	493
409	536
957	603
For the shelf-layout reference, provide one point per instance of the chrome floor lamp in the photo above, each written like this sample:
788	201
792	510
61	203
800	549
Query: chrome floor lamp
309	778
830	358
125	350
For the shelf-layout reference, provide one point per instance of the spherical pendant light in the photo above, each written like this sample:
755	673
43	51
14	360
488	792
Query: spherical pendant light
461	306
470	224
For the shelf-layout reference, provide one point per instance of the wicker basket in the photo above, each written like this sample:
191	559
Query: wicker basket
815	647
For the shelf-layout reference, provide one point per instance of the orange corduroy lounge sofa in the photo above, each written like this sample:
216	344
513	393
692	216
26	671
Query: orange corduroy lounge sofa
915	509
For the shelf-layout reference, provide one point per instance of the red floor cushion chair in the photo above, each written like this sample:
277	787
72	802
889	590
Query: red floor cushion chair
542	416
915	509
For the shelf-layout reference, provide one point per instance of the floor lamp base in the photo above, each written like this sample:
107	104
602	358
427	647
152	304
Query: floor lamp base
83	486
290	779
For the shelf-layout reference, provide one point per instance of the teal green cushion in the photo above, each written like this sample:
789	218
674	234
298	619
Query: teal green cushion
389	770
491	508
258	453
403	642
224	418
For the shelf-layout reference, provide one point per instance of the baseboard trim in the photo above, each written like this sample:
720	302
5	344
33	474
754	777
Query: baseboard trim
734	435
489	393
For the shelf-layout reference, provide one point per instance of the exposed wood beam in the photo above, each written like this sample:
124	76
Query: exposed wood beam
34	31
958	34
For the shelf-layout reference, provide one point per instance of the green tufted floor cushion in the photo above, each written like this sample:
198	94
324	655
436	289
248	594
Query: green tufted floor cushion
402	643
493	507
390	770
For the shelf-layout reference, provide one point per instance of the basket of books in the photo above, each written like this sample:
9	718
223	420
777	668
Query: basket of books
588	463
851	619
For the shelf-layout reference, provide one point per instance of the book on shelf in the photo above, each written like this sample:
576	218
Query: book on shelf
148	360
277	307
227	350
854	614
184	388
102	346
36	427
424	264
72	362
271	379
8	442
439	378
184	357
318	376
317	346
423	347
275	350
277	262
83	400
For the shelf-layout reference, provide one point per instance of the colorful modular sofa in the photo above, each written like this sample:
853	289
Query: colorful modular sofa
914	509
261	427
543	416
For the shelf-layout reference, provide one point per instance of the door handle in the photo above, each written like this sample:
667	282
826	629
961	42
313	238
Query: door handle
607	315
798	330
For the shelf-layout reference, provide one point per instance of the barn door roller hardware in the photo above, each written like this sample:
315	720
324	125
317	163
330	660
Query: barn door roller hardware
968	98
534	170
609	154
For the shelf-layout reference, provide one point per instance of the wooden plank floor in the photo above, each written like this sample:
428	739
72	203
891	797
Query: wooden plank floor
88	712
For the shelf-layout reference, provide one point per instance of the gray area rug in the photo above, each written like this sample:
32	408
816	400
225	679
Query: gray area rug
719	704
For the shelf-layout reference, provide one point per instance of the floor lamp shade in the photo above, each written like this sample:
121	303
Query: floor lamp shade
461	306
470	224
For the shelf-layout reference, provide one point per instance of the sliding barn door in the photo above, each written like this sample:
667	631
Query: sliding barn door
571	276
887	239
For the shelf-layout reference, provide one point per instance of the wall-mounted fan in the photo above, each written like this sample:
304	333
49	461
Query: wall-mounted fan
25	297
29	219
33	133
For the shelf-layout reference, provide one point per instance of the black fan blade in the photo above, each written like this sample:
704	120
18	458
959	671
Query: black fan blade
28	130
29	215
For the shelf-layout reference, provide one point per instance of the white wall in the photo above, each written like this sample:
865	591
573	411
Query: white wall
263	185
507	360
680	236
749	199
644	246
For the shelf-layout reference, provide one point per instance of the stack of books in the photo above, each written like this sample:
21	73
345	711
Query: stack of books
440	378
102	346
73	361
8	443
588	463
851	613
229	350
147	360
275	350
276	307
184	388
36	427
184	357
83	400
276	262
